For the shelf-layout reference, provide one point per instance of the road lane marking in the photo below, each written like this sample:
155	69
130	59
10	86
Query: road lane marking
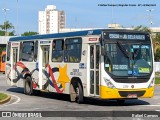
18	99
151	105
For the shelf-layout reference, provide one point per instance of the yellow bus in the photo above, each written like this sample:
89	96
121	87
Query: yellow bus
113	64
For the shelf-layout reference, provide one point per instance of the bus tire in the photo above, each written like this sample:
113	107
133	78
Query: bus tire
120	102
28	86
79	93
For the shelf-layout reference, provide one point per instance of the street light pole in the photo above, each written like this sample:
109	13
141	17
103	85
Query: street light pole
150	19
5	12
17	19
112	13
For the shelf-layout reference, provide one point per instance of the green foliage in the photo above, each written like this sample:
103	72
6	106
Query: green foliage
2	33
143	28
8	26
29	33
12	33
2	96
157	55
156	46
157	80
2	49
156	37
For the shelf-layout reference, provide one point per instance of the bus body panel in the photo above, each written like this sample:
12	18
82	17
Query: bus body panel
108	93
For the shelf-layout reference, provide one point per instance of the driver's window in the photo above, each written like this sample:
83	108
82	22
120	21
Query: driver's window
145	52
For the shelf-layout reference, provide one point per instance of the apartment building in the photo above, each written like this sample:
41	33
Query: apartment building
51	20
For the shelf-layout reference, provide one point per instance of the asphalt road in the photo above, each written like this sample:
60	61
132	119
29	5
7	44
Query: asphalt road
59	102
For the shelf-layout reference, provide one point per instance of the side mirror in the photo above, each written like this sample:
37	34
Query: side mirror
35	57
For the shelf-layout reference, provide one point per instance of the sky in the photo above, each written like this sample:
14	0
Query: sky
23	14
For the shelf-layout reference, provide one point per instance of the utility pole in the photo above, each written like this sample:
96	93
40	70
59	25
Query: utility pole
5	12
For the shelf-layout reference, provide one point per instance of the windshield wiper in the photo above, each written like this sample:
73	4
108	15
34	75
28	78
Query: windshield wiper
124	51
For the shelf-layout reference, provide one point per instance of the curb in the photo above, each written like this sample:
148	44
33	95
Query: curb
5	100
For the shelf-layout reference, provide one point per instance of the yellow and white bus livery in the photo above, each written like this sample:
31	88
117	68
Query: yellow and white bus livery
110	64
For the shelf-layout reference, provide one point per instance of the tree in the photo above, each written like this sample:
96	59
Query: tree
29	33
156	46
143	28
2	33
157	55
6	26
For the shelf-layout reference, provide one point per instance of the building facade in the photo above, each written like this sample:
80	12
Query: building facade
51	20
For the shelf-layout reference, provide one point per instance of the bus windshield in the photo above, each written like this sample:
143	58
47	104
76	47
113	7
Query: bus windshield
128	59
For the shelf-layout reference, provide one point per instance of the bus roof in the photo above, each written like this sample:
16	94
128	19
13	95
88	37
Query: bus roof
58	35
68	34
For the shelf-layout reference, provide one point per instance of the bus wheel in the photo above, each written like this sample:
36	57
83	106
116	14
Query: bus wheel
28	86
79	93
120	102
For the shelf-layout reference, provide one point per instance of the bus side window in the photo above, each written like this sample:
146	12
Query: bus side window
57	50
3	58
35	50
92	56
20	51
73	50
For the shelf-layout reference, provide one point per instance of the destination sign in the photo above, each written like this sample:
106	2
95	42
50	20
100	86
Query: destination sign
45	42
125	36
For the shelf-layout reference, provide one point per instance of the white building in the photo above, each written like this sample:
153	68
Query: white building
4	39
51	20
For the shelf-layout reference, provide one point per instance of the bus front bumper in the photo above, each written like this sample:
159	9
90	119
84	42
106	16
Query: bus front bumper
109	93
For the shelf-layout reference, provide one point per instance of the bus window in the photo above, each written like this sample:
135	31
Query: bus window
20	53
35	51
72	45
28	51
57	50
92	56
3	58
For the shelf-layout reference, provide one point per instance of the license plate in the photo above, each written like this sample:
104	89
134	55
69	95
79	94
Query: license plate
132	96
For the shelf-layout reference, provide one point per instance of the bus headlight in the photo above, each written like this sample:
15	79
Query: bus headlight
152	83
109	83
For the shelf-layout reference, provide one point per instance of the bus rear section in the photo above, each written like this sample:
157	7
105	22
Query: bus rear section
3	61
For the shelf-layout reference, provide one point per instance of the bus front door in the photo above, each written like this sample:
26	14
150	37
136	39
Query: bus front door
45	70
14	71
94	69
